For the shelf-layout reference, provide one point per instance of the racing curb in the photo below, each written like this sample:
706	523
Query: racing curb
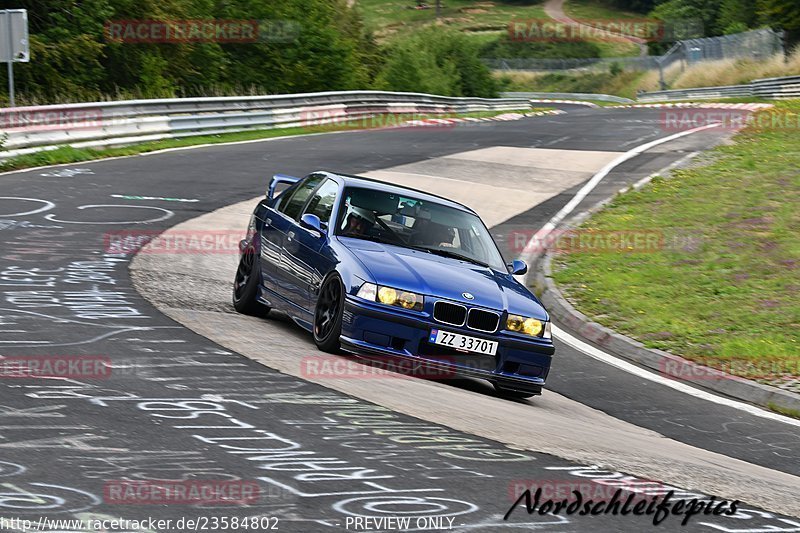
710	105
664	363
562	101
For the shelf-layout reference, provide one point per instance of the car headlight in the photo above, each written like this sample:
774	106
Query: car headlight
528	326
389	296
368	291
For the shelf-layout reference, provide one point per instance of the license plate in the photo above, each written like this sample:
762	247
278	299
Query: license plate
462	342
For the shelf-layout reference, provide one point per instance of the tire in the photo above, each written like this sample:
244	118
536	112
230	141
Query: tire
327	326
512	394
245	285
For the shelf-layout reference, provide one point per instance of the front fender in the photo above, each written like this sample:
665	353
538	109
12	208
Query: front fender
351	269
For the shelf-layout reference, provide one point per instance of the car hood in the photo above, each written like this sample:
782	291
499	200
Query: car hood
430	274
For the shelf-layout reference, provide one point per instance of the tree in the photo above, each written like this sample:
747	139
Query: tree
784	14
706	11
318	45
736	16
438	61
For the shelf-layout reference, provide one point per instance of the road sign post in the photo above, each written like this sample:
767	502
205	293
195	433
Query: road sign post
13	43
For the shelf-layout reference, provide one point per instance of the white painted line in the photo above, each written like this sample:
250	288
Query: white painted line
596	353
164	198
574	102
596	179
600	355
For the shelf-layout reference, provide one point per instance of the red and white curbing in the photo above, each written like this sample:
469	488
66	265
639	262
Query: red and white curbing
712	105
573	102
497	118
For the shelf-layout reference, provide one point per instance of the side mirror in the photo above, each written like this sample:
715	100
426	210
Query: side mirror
518	268
313	223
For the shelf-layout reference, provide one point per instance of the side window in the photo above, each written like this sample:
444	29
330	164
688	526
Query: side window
321	203
280	200
282	192
292	205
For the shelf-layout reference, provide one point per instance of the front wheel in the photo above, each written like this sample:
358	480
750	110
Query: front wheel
245	285
328	314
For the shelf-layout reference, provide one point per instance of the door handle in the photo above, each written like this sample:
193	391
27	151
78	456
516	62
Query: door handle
290	236
268	221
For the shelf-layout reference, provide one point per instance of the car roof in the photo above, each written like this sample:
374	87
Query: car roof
350	180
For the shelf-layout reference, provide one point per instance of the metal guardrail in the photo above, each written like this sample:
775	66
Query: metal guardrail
30	129
777	88
570	96
700	93
770	88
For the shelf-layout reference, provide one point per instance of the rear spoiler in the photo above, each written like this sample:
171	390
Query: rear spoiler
276	180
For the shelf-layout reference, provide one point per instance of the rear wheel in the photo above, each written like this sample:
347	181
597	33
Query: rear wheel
328	314
245	285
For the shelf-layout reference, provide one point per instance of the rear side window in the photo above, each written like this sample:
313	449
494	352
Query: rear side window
293	204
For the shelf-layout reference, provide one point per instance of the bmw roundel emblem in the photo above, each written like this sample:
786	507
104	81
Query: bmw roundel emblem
467	295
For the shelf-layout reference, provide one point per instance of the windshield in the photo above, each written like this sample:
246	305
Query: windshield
419	224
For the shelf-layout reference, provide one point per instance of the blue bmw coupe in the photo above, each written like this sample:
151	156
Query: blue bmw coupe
384	271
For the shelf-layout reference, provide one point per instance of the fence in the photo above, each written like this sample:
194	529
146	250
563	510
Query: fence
584	64
31	129
756	44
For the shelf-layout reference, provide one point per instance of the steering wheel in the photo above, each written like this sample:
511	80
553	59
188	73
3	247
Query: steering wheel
384	225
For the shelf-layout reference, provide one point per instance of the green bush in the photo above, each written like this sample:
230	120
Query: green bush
505	47
436	61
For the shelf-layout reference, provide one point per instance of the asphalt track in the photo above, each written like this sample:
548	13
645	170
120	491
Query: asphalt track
177	406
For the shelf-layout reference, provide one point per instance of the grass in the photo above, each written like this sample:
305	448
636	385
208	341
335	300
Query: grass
598	10
482	21
723	72
734	71
386	18
68	154
794	413
89	95
616	48
623	83
626	83
724	290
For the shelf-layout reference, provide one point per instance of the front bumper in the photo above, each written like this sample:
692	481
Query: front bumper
373	329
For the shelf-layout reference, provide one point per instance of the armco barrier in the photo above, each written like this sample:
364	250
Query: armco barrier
701	93
787	87
571	96
770	88
30	129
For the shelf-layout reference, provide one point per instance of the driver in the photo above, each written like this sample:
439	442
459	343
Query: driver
432	234
358	222
443	236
